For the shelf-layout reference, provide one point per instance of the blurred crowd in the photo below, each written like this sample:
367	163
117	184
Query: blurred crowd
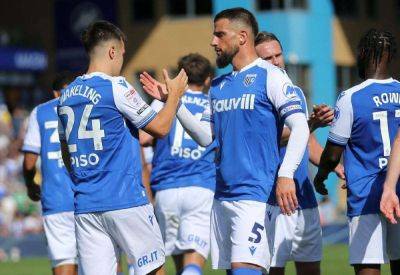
18	214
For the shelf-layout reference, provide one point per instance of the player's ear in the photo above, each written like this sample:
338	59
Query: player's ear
243	36
111	52
207	82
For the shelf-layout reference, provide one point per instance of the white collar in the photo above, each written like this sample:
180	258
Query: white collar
102	75
382	81
252	64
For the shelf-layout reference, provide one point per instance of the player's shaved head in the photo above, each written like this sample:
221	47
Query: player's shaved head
239	17
100	32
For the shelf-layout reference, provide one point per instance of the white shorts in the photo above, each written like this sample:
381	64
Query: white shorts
297	237
102	235
61	241
184	218
238	234
373	240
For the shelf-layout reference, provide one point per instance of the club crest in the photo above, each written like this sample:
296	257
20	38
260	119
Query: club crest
249	79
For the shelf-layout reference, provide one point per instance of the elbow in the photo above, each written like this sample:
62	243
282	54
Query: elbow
146	142
332	160
162	132
205	143
329	160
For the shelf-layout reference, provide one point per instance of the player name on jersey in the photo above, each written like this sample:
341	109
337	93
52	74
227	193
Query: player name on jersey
81	90
190	99
385	98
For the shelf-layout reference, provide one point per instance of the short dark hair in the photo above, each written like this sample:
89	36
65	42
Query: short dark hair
100	31
266	37
374	43
61	79
239	14
197	68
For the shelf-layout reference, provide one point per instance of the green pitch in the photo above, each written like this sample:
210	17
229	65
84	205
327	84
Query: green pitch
335	261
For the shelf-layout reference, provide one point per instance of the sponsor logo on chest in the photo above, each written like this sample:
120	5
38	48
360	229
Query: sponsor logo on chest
245	102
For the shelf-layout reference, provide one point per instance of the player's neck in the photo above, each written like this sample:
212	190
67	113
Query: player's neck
378	73
196	88
101	67
243	58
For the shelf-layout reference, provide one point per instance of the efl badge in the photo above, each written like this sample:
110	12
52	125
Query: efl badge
249	79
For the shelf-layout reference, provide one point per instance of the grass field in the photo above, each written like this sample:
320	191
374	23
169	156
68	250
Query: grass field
334	262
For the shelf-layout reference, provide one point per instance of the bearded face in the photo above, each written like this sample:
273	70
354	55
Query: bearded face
225	42
225	57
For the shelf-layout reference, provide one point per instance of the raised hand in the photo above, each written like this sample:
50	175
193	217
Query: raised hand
178	85
286	195
153	87
390	206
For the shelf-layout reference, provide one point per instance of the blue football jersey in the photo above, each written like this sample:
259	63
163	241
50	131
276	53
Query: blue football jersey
42	138
178	160
366	122
248	108
304	188
100	115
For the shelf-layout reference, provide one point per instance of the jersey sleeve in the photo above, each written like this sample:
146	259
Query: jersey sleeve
303	101
131	105
32	137
343	121
282	93
207	113
157	105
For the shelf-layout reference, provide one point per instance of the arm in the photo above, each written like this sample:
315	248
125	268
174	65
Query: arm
161	124
315	156
146	176
29	171
297	144
329	160
145	139
338	137
65	155
31	149
139	114
285	98
321	116
390	205
285	186
200	131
